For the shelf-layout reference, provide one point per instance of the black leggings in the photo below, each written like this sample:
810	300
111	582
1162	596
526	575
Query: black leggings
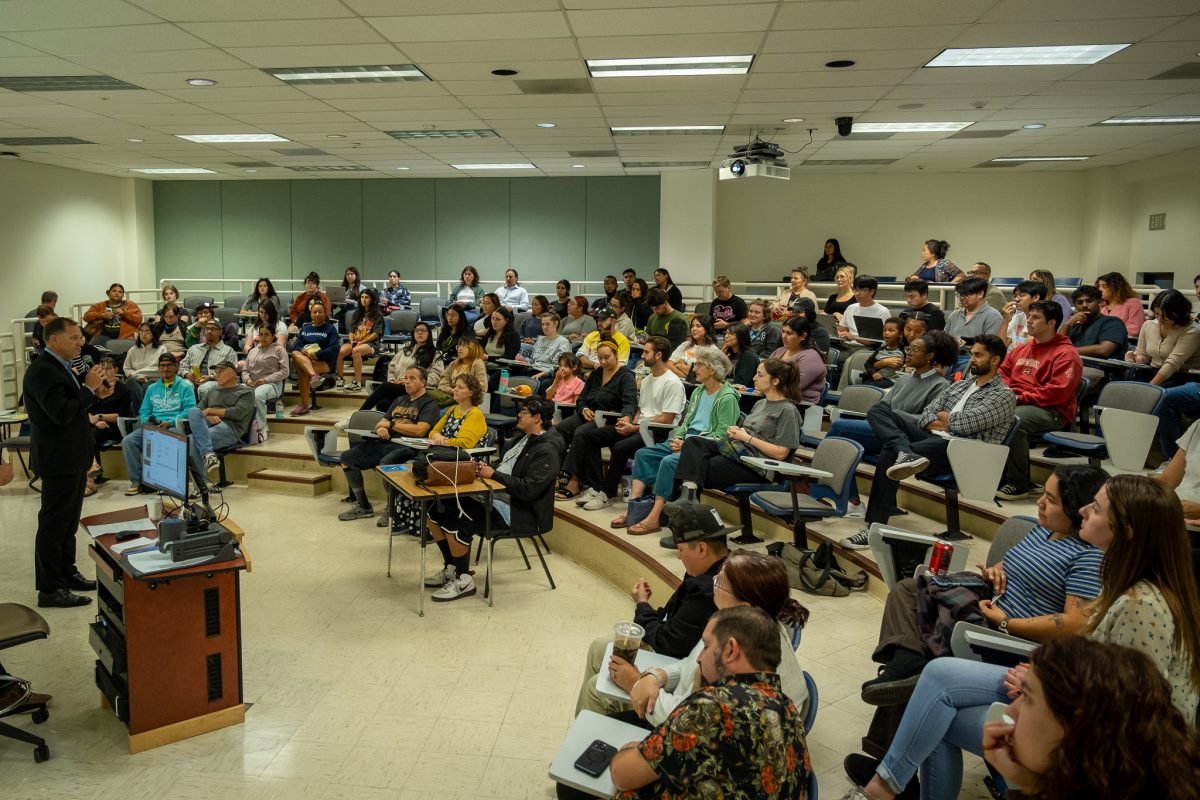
701	462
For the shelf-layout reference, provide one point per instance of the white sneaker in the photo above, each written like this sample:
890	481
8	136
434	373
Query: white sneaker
855	794
341	425
441	577
211	462
585	497
858	541
856	511
599	500
462	586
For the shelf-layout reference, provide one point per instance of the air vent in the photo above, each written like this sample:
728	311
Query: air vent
971	133
250	164
300	151
212	612
331	168
39	141
212	671
555	86
848	162
593	154
1182	72
994	164
64	83
478	133
662	164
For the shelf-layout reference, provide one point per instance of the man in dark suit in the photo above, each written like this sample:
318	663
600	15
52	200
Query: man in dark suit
61	452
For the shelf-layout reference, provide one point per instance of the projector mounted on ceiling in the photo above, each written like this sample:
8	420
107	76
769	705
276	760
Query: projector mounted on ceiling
758	159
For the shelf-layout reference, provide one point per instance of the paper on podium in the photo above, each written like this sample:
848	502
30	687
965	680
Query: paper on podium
145	524
149	562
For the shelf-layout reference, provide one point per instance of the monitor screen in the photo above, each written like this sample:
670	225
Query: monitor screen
165	461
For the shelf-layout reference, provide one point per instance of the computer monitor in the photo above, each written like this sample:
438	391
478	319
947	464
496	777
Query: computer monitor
165	462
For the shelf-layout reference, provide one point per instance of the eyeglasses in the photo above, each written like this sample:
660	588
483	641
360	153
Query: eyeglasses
718	585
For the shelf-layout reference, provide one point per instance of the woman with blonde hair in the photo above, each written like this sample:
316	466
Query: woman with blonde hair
470	361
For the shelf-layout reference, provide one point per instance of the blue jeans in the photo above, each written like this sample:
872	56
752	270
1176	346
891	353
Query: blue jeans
206	439
655	467
131	449
1178	400
944	717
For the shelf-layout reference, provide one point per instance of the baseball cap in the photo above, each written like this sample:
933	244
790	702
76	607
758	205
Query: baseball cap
165	357
691	521
224	362
605	313
209	306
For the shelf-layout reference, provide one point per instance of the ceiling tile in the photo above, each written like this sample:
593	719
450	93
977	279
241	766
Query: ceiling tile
42	65
860	40
191	11
877	13
370	8
278	33
692	44
122	39
484	51
208	58
32	15
690	19
815	62
828	78
1005	34
317	55
529	70
517	25
1039	11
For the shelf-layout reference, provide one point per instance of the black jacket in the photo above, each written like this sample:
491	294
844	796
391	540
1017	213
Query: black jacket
619	394
60	435
674	629
530	487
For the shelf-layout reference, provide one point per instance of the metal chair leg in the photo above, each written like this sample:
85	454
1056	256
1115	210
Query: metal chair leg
544	544
538	550
747	536
954	531
521	547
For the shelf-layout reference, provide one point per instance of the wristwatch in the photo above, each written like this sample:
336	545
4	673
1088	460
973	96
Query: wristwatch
1003	626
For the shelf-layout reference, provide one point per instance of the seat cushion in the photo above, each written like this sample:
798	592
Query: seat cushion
19	624
780	504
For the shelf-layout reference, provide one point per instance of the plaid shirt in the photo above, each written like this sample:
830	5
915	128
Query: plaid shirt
987	416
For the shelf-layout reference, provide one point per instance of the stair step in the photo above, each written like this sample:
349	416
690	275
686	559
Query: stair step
289	481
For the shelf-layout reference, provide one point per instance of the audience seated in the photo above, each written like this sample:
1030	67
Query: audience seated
831	258
103	416
665	320
864	305
543	359
567	385
500	341
887	359
765	336
470	361
1169	341
916	295
468	294
661	400
314	350
639	305
116	317
975	318
206	313
916	325
1015	329
610	387
610	291
300	312
531	328
606	331
1118	299
701	333
352	288
172	331
662	280
727	308
365	325
821	339
935	267
170	295
1182	472
483	322
620	305
199	362
44	313
1093	333
577	324
141	362
562	298
223	421
412	413
741	355
454	330
994	298
395	295
527	471
788	296
712	408
167	402
265	369
1047	279
511	294
268	316
419	351
1044	374
264	292
843	298
798	350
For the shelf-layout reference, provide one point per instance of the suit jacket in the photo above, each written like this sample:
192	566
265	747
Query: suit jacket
530	487
60	436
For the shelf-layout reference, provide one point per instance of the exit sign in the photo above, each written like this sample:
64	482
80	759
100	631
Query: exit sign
1158	222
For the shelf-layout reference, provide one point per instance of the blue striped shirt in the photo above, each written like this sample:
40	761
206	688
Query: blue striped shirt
1041	573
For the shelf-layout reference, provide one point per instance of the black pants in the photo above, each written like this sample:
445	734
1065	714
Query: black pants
898	433
584	457
567	428
701	462
58	519
383	396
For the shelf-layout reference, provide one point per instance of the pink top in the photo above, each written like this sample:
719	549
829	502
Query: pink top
1128	311
568	391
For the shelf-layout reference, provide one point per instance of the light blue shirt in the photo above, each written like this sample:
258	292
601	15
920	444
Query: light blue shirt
704	408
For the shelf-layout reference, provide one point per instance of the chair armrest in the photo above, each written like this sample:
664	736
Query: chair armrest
786	468
972	641
648	430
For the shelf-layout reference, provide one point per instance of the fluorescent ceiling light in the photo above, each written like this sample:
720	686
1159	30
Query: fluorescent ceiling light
176	171
578	166
1178	119
392	73
546	125
909	127
477	133
1034	126
635	129
657	67
493	166
404	168
201	82
230	138
1041	158
1024	56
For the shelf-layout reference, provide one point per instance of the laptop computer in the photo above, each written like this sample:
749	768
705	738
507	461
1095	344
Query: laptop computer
828	322
869	328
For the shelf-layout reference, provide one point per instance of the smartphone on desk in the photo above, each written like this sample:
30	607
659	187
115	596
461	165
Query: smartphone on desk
596	758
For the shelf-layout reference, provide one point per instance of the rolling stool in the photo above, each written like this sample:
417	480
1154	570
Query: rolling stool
18	625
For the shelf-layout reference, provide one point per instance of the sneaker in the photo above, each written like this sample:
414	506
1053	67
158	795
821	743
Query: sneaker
298	411
856	511
133	490
858	541
316	382
383	521
1160	469
211	463
585	497
462	586
356	512
854	794
599	500
897	680
906	466
1010	491
860	769
352	386
339	383
689	492
440	578
341	425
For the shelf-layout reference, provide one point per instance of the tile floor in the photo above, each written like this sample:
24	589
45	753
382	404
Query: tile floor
354	695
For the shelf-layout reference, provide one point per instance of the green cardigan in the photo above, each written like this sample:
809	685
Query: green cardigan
725	411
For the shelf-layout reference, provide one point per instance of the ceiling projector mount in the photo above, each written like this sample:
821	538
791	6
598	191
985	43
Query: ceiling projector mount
756	159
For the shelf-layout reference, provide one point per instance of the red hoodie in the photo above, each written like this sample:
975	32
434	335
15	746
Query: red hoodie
1045	375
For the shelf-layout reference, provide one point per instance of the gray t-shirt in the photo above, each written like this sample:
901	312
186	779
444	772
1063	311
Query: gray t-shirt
238	403
985	320
776	421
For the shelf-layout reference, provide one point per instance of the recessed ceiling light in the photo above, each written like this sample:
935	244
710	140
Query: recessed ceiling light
1024	56
230	138
404	168
135	141
657	67
249	170
841	63
176	171
634	129
578	166
909	127
1039	158
1176	119
335	136
201	82
1033	126
493	166
546	125
910	106
384	73
794	119
504	72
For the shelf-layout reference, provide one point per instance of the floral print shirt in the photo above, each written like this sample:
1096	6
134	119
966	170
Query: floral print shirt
738	739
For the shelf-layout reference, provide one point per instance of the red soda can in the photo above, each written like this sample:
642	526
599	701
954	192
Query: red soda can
939	558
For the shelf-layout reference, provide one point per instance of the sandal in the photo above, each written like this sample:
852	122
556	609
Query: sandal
89	491
618	522
640	529
564	494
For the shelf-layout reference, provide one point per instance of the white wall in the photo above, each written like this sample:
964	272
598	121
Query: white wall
1169	185
687	217
71	231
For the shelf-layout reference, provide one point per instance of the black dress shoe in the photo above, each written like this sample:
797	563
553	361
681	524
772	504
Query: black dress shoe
62	598
80	583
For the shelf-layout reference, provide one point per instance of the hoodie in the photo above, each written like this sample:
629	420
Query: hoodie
1045	375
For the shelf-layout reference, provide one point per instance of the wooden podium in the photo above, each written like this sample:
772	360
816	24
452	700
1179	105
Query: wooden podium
168	645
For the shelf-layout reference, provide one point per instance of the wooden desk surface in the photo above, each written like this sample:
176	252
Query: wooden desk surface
106	542
406	483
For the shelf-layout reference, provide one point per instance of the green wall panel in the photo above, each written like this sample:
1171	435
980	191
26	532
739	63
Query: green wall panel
256	224
327	228
473	227
189	238
622	225
398	228
548	227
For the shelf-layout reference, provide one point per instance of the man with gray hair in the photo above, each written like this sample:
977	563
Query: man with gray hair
222	418
197	365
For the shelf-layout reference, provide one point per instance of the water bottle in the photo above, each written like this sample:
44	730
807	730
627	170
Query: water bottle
279	408
503	381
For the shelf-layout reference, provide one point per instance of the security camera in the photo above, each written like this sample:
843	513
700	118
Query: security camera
844	125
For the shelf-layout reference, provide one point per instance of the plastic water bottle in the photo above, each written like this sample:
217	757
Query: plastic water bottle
279	408
503	381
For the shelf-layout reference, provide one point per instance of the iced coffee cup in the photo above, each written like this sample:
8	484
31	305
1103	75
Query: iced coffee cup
627	640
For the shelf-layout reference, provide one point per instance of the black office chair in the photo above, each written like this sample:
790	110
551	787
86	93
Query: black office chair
18	625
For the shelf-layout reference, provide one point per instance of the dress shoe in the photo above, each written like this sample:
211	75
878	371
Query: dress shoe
80	583
62	598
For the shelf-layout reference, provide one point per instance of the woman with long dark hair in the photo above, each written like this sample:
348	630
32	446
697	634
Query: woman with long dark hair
263	290
452	332
562	298
1118	299
831	258
662	279
638	311
366	329
798	350
741	355
468	293
1170	341
935	267
531	328
268	315
701	333
419	351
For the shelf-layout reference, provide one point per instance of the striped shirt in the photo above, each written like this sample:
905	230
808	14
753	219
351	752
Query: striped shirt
1041	573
